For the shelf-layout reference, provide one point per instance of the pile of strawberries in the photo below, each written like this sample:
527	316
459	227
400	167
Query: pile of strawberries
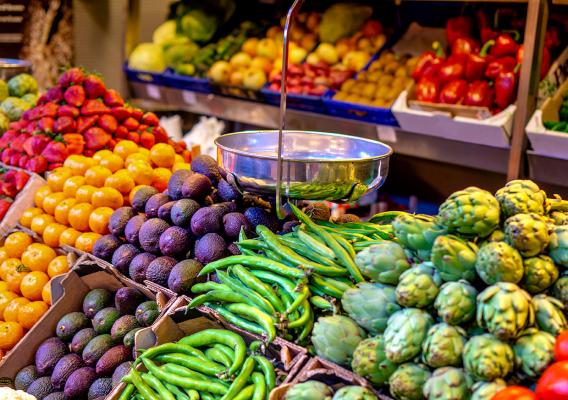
11	183
78	116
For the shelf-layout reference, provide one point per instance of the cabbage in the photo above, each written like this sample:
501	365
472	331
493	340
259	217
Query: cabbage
147	57
164	33
180	53
343	20
198	25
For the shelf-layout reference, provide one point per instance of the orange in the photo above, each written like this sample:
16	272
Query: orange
163	155
144	151
3	286
62	211
46	293
11	310
15	277
96	176
99	155
10	334
113	162
68	237
5	299
32	285
107	197
133	192
57	178
124	148
30	313
98	220
72	184
78	164
79	216
7	266
181	165
161	178
178	159
16	243
141	172
40	222
28	215
40	195
121	182
58	266
85	193
86	241
38	256
136	157
51	234
51	201
3	254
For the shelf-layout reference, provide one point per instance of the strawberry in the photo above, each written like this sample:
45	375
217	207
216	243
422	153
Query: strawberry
68	111
28	148
23	160
26	115
94	107
54	94
53	166
42	99
48	110
9	189
7	138
111	143
6	154
160	134
38	144
143	128
15	159
121	132
130	123
94	86
65	125
55	151
121	113
31	128
147	140
75	95
150	119
46	124
84	123
108	123
21	178
4	207
89	152
18	143
96	138
37	164
73	76
134	136
137	114
113	99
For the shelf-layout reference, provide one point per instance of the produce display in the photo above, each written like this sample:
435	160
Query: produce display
562	124
11	183
16	96
319	390
91	350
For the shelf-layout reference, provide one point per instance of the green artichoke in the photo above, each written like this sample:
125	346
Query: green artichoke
486	390
418	286
406	330
560	290
521	197
454	258
496	236
443	346
370	362
528	233
471	211
407	382
559	217
336	337
22	84
534	351
540	274
487	358
309	390
354	393
3	90
370	305
499	262
558	248
417	233
383	262
456	302
505	310
448	383
549	314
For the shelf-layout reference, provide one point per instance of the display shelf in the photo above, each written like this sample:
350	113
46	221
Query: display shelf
547	169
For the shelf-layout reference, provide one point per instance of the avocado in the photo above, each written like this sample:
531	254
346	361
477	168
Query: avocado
227	192
105	246
40	388
56	396
70	324
149	235
206	165
205	220
118	220
25	377
145	312
183	276
196	186
289	226
175	242
64	368
104	319
215	196
232	224
138	266
122	326
182	211
159	270
176	182
81	339
96	300
100	388
128	340
122	257
79	382
318	211
225	207
209	248
165	210
127	299
96	348
132	229
120	371
112	359
141	196
233	249
154	203
48	353
259	216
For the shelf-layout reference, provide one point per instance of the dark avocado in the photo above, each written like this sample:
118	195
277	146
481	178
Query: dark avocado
196	186
100	388
119	219
164	212
184	275
112	359
138	266
96	348
227	192
128	340
182	211
141	196
103	320
176	182
81	339
205	220
123	256
96	300
79	382
175	242
150	233
40	388
259	216
70	324
25	377
120	371
105	247
147	312
132	229
159	270
232	224
233	249
56	396
154	203
289	226
206	165
127	299
48	353
64	368
122	326
211	247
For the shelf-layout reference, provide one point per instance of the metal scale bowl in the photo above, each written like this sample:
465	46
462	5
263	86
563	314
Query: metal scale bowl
317	165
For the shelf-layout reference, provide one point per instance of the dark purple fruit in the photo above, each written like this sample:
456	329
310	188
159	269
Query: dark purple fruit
96	300
175	242
232	224
81	339
79	382
120	371
205	220
112	359
176	182
289	226
154	203
138	266
40	388
196	187
225	207
119	219
182	211
227	192
159	270
141	196
259	216
133	228
183	276
64	368
211	247
164	212
25	377
206	165
127	299
233	249
105	247
150	232
123	256
48	353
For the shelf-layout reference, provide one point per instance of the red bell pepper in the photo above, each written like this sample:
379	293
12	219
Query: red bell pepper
486	31
505	45
552	38
454	92
544	66
429	63
458	27
452	69
500	65
463	47
506	87
477	63
479	94
427	89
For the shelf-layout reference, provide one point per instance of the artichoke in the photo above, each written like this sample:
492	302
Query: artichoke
488	358
540	274
456	302
505	310
336	337
417	233
354	393
418	286
558	249
499	262
471	211
443	346
309	390
383	262
448	383
370	305
454	258
521	197
549	314
559	218
560	290
407	382
406	330
534	351
486	390
528	233
496	236
370	362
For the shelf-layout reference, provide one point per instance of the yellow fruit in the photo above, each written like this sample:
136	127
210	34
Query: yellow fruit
141	172
113	162
51	234
10	334
57	178
79	216
99	155
62	210
28	215
85	193
7	266
58	266
136	157
161	178
32	285
72	184
107	197
11	310
96	176
51	201
5	299
87	241
163	155
46	293
78	164
40	195
38	256
40	222
3	286
99	219
30	313
68	237
124	148
16	244
122	182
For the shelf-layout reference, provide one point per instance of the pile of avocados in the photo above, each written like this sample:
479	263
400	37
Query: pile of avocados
92	349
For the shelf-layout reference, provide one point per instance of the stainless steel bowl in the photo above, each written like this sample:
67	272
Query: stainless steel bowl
316	165
10	67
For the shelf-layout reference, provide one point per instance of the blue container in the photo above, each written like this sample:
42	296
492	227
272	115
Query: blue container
295	101
360	112
135	75
185	82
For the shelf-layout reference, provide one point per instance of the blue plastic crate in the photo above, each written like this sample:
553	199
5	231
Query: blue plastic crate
360	112
186	82
295	101
135	75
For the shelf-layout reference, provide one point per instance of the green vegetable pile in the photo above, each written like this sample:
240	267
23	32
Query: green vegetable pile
317	390
16	96
562	124
210	364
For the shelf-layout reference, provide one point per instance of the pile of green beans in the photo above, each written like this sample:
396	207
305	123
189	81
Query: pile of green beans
211	364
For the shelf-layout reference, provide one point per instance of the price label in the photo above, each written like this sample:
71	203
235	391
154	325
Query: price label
386	133
189	97
153	92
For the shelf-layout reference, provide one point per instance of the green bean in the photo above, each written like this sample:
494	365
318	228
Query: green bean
273	278
326	287
207	396
241	380
363	245
299	299
302	250
252	244
245	394
171	348
242	235
259	386
255	315
183	371
255	345
192	394
158	386
267	370
304	317
145	390
225	349
176	392
321	303
385	216
137	396
127	392
206	366
226	296
237	320
247	252
207	286
288	300
260	287
315	243
218	356
254	297
254	262
307	328
347	246
343	286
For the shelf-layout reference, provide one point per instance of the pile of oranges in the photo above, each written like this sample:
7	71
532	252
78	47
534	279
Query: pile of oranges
75	206
26	269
